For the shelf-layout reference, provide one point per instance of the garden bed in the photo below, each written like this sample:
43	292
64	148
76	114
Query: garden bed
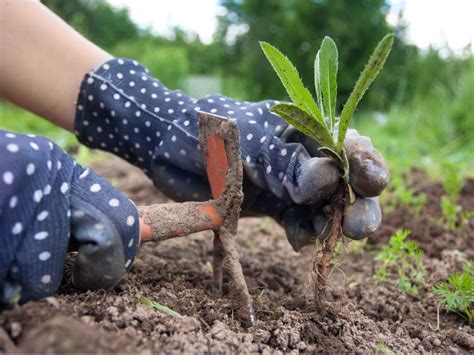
362	315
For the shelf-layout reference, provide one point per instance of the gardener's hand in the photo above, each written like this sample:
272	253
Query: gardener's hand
124	110
50	205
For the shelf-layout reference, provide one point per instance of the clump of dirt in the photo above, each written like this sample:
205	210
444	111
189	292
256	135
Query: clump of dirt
362	316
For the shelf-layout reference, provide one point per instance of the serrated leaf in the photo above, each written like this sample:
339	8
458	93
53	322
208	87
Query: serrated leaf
305	123
317	84
328	66
370	72
291	80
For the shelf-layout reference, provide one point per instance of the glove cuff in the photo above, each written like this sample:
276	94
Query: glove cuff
122	109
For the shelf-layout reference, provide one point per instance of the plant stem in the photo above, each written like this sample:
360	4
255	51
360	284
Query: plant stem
321	268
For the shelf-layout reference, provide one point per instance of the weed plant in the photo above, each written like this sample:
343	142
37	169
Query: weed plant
159	307
453	215
401	263
401	195
317	119
457	293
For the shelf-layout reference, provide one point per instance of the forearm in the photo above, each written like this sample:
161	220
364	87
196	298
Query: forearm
43	60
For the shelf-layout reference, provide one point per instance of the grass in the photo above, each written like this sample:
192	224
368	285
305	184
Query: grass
159	307
401	146
13	118
435	128
399	194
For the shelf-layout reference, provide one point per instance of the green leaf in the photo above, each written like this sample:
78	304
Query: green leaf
317	84
367	76
159	307
338	160
305	123
291	80
328	64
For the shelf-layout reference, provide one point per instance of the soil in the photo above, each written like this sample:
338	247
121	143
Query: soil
361	316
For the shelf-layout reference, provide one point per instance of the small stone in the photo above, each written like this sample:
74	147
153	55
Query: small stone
15	329
113	311
301	345
187	324
436	342
87	319
452	350
53	301
218	331
262	335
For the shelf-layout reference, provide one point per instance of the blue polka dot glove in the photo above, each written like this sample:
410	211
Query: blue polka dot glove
124	110
50	205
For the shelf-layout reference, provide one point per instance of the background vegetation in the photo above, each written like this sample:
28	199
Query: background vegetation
419	112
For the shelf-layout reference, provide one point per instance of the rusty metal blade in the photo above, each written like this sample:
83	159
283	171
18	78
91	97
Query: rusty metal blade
219	144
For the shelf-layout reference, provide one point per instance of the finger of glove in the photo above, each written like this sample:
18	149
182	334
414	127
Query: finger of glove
104	227
35	178
362	218
299	229
368	174
317	181
305	224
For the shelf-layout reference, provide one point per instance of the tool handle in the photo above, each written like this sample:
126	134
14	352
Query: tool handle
170	220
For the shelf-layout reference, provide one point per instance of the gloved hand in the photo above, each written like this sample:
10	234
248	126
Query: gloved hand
124	110
50	205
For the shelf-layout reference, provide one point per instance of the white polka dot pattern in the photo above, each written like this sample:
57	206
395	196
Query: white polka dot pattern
157	129
39	186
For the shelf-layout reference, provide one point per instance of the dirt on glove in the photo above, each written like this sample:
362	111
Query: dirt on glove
361	315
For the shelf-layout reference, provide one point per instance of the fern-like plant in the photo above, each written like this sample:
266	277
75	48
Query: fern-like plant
401	263
318	121
457	293
453	215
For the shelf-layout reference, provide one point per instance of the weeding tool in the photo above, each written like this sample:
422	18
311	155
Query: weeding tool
219	144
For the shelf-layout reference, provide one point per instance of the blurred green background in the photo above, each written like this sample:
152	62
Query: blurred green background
419	112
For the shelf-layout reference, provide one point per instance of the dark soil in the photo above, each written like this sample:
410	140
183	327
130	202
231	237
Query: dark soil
362	316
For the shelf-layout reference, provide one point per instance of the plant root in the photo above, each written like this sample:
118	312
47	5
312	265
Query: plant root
321	267
437	319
